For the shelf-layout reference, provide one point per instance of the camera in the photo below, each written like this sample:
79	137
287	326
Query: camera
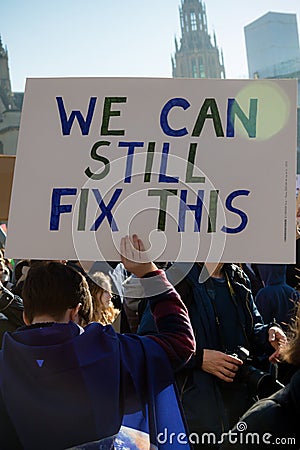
261	384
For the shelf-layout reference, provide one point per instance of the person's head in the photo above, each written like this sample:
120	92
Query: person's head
54	290
209	269
19	268
100	288
33	262
101	291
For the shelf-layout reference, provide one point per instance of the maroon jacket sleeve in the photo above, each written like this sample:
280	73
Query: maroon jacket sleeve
175	334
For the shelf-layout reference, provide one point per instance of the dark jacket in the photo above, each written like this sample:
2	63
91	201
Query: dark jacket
274	420
254	277
276	300
11	312
293	270
200	392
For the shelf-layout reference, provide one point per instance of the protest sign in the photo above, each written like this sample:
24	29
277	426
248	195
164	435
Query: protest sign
7	164
201	169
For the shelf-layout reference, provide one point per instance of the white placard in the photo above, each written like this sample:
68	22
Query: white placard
200	169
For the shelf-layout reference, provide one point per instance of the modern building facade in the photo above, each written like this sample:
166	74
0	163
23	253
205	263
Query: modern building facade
10	108
272	45
196	56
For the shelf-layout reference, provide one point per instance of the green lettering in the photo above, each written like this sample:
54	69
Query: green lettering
209	103
105	161
108	113
190	167
82	209
163	194
212	215
149	162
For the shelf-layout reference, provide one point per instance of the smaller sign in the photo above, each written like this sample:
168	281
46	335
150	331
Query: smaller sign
7	166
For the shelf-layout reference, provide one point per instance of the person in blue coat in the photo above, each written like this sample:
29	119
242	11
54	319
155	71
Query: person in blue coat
276	300
63	386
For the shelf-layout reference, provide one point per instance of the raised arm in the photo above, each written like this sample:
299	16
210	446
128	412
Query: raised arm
175	334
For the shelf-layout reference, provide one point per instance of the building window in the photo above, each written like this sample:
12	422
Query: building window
201	68
1	148
194	69
187	22
193	21
181	22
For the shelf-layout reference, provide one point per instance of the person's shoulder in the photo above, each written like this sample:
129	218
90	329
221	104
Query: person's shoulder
237	274
95	335
96	327
262	410
268	419
273	411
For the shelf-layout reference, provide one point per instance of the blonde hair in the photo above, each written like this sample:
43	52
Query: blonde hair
291	352
106	315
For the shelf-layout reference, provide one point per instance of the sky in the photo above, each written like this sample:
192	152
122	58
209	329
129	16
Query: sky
118	38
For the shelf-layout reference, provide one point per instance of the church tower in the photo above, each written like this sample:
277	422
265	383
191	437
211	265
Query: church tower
196	56
10	108
5	86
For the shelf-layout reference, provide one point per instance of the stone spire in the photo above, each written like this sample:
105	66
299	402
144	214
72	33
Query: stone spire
5	86
196	56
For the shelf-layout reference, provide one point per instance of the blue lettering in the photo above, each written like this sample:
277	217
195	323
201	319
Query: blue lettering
163	178
243	216
131	146
106	210
57	209
66	124
174	102
183	208
249	123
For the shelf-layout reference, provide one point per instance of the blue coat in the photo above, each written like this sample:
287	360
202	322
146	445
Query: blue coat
277	300
60	387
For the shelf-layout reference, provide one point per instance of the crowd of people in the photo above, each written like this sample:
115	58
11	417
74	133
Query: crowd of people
88	353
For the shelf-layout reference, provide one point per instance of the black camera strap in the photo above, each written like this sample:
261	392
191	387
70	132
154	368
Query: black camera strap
233	298
217	319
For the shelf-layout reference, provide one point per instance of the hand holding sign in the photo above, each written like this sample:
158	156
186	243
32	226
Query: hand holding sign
133	256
